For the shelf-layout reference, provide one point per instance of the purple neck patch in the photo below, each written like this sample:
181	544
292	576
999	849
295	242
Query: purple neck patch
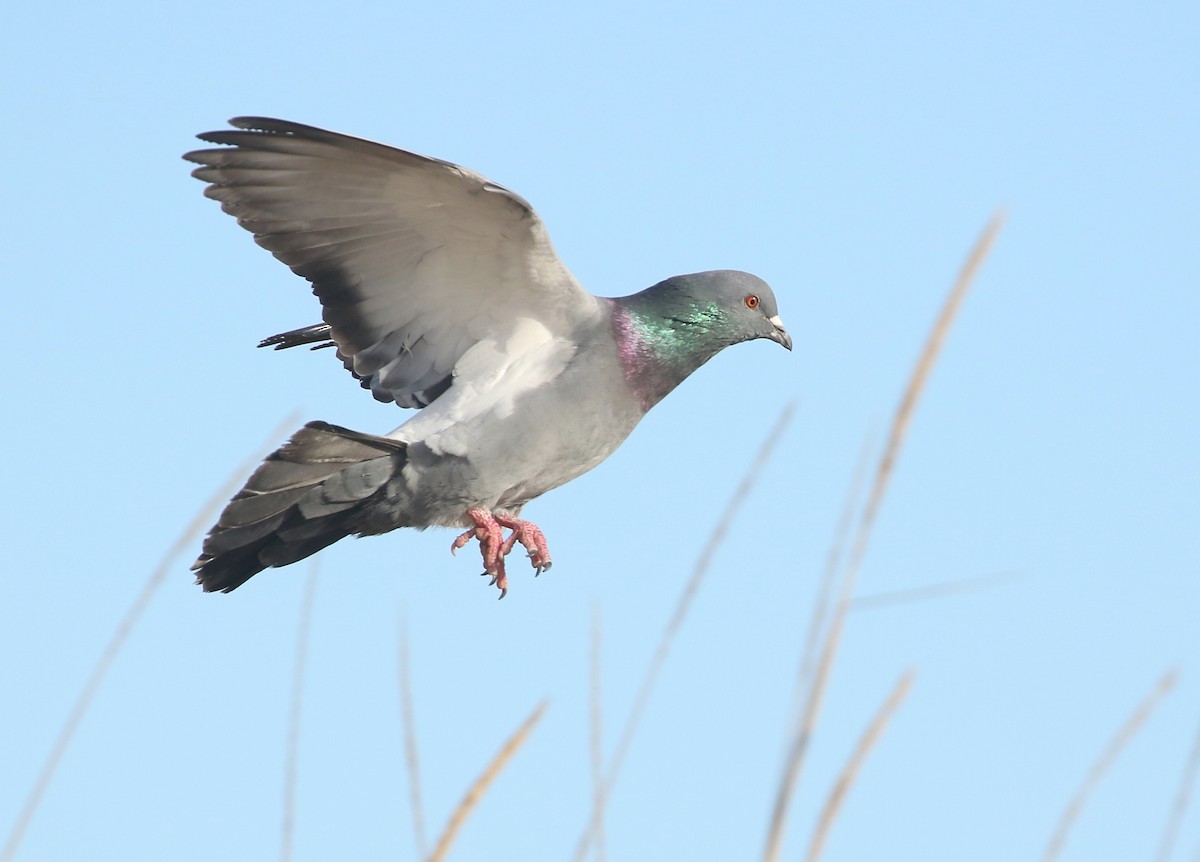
650	372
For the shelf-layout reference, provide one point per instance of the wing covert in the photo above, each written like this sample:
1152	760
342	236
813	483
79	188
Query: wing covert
413	259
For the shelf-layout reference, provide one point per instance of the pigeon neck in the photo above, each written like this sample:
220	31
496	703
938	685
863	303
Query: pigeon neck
658	350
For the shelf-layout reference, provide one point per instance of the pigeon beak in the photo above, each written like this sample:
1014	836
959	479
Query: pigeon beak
780	334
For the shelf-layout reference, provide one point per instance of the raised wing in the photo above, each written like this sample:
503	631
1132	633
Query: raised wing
414	259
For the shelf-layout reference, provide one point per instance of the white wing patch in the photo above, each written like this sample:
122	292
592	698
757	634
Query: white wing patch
488	379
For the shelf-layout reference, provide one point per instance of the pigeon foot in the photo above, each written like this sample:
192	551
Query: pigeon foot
494	547
531	538
491	546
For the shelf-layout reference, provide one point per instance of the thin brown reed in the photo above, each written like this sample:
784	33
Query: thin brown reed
190	533
1126	732
926	592
829	579
408	717
833	803
292	752
715	538
883	473
597	740
475	793
1187	781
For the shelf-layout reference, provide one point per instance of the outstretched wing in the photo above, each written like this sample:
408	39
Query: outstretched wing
414	259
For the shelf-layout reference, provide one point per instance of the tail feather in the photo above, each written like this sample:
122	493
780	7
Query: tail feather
284	554
301	499
223	539
248	509
347	488
303	531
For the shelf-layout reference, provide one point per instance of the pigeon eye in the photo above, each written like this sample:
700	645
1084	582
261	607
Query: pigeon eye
751	300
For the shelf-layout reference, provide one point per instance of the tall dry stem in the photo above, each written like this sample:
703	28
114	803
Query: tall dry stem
292	751
924	593
1126	732
829	580
833	804
814	698
189	535
475	793
408	716
1187	781
715	538
597	741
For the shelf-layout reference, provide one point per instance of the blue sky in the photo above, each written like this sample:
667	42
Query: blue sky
849	154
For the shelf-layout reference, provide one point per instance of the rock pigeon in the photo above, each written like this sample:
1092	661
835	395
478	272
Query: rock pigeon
440	291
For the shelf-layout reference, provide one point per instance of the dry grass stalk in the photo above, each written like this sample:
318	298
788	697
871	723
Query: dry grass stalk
899	429
1126	732
189	535
1187	781
597	741
829	578
475	793
929	591
833	804
291	756
408	717
715	538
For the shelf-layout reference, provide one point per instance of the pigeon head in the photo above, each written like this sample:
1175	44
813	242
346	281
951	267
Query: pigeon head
669	330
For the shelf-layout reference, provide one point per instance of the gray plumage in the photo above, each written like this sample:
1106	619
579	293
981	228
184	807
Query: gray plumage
440	290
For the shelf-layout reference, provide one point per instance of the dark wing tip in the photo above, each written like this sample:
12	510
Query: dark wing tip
318	332
270	124
245	128
254	126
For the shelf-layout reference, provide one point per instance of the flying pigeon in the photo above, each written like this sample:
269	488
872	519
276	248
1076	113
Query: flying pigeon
441	292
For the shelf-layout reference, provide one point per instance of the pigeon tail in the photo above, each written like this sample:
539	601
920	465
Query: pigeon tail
305	496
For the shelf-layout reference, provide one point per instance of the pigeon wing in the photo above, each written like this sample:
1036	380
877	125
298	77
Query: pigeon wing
414	260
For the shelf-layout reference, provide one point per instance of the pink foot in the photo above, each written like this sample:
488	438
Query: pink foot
495	547
491	545
531	537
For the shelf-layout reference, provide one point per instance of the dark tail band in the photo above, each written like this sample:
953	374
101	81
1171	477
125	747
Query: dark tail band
302	498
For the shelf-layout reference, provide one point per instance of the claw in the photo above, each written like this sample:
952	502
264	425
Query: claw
495	547
461	541
531	537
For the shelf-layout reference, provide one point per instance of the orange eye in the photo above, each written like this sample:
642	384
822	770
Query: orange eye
751	300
